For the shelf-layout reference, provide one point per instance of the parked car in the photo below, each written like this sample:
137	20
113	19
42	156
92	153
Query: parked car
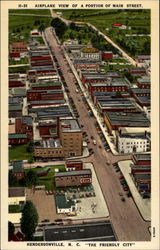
45	220
123	199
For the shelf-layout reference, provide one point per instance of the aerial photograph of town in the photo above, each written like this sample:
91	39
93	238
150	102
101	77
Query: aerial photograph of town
79	130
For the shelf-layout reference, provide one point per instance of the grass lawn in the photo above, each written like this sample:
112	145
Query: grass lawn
22	26
137	20
21	61
116	67
47	180
39	40
20	153
19	69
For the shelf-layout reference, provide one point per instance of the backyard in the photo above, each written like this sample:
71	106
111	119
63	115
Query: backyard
20	153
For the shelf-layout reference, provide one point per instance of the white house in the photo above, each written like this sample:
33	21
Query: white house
63	205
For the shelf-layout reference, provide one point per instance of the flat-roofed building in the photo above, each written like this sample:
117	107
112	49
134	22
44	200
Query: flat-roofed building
141	159
19	47
74	165
24	125
89	231
73	178
114	120
117	105
91	53
69	143
144	82
46	85
130	140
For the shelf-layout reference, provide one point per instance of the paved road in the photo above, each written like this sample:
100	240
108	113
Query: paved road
124	54
127	222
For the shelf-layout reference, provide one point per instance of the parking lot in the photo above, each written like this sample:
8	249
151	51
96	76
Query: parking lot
45	205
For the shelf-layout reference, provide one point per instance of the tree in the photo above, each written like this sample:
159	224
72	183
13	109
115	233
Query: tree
29	220
31	178
12	179
11	227
30	147
41	27
59	26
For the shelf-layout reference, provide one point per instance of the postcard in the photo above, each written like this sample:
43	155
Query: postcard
80	124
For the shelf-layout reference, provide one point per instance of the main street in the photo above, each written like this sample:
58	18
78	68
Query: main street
127	221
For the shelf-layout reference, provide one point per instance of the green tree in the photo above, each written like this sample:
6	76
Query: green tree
30	147
59	26
41	27
31	178
29	220
11	227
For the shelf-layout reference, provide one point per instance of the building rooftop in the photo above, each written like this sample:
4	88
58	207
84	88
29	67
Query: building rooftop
15	100
117	103
46	84
17	136
19	44
142	157
142	177
90	50
130	130
144	99
45	102
144	80
140	91
73	173
17	166
51	143
130	119
61	202
15	107
16	192
70	125
20	91
93	231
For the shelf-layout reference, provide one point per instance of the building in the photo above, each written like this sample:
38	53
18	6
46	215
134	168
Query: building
137	71
18	170
74	165
19	47
141	159
16	196
114	120
142	58
91	53
107	55
130	140
48	129
18	139
68	143
46	86
144	82
37	95
142	182
24	125
63	205
115	25
15	56
116	105
73	178
85	64
89	231
109	85
18	83
16	200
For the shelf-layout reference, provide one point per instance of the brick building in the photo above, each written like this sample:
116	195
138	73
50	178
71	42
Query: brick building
24	125
19	47
73	178
144	82
91	53
18	139
46	86
37	95
74	165
107	55
68	144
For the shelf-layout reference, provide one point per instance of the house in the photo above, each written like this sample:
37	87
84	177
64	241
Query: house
142	58
88	231
73	178
19	47
63	205
18	83
137	71
16	201
18	170
115	25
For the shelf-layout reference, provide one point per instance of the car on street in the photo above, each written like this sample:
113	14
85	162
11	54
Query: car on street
123	199
45	220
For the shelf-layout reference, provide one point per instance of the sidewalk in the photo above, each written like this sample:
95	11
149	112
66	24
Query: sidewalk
143	205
